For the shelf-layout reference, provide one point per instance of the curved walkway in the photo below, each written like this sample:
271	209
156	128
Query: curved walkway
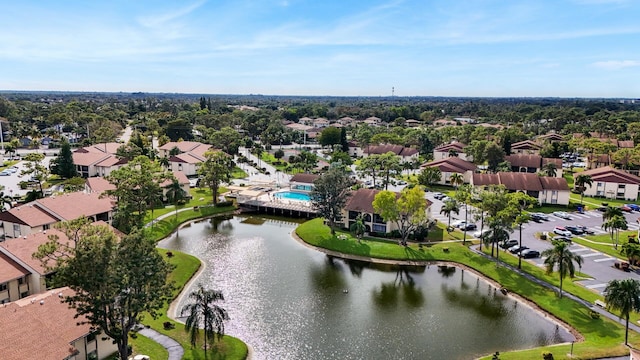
173	347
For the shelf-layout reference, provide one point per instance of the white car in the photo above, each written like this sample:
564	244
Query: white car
458	223
481	233
562	215
559	230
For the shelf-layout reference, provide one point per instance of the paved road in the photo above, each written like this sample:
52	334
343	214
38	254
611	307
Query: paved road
596	264
11	182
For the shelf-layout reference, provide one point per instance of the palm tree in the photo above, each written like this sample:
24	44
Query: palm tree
4	201
456	179
560	256
632	252
164	162
176	194
615	224
204	311
624	296
358	227
581	183
449	207
611	212
550	169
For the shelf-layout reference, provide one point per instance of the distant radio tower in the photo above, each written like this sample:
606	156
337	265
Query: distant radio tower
393	90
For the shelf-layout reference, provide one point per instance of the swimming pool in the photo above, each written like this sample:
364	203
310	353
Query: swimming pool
292	196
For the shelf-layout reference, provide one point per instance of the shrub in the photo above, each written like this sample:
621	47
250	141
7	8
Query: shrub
547	356
594	315
224	203
169	254
168	325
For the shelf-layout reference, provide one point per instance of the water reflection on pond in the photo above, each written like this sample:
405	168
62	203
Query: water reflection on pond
291	302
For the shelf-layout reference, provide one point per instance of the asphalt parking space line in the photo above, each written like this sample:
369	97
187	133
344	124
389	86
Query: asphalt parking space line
604	259
592	254
595	286
581	249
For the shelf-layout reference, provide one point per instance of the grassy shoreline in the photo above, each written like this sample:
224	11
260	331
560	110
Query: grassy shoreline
602	337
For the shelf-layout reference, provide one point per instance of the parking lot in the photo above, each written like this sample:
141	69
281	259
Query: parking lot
595	264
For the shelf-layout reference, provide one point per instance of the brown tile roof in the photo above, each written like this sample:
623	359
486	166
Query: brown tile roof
304	178
111	161
183	146
109	148
299	127
609	174
40	327
457	146
361	200
396	149
523	160
452	164
520	181
186	158
556	162
180	176
516	181
88	158
627	144
99	185
601	158
22	248
551	137
29	215
70	206
10	270
525	145
554	183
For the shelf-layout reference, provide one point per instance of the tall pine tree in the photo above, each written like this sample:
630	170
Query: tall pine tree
63	164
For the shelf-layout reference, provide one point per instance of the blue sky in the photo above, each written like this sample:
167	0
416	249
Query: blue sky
565	48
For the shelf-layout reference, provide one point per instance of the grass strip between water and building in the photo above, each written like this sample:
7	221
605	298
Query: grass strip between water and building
602	337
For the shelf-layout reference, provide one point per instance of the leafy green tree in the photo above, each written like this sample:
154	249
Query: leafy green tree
63	164
343	140
495	155
34	167
74	184
428	176
624	296
631	251
329	195
215	171
137	187
561	257
5	200
307	160
204	311
115	282
408	211
581	182
330	136
278	154
369	166
389	165
227	140
341	157
450	206
464	195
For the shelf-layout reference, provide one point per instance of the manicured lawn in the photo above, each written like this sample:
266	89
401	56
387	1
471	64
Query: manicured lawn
602	336
593	202
603	243
270	159
238	173
144	345
199	197
228	348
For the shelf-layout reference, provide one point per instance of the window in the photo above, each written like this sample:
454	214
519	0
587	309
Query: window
379	228
620	186
91	337
46	227
600	184
24	294
20	281
554	193
378	219
16	230
3	286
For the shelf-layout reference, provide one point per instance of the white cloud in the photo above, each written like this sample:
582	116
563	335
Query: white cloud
161	19
616	64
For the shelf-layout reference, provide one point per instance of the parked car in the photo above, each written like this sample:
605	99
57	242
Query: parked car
575	230
559	230
481	233
516	249
438	196
530	253
542	216
625	208
509	243
563	238
585	229
458	223
562	215
468	227
445	199
633	207
5	173
602	208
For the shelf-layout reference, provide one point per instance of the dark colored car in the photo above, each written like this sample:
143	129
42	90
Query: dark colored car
562	238
537	218
530	253
633	207
575	230
468	227
509	243
585	229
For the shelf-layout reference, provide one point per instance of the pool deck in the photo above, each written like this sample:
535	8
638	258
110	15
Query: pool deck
268	203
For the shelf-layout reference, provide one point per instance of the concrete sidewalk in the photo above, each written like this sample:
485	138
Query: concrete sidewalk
173	347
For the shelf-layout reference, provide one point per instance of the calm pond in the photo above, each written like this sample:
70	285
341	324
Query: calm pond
290	302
